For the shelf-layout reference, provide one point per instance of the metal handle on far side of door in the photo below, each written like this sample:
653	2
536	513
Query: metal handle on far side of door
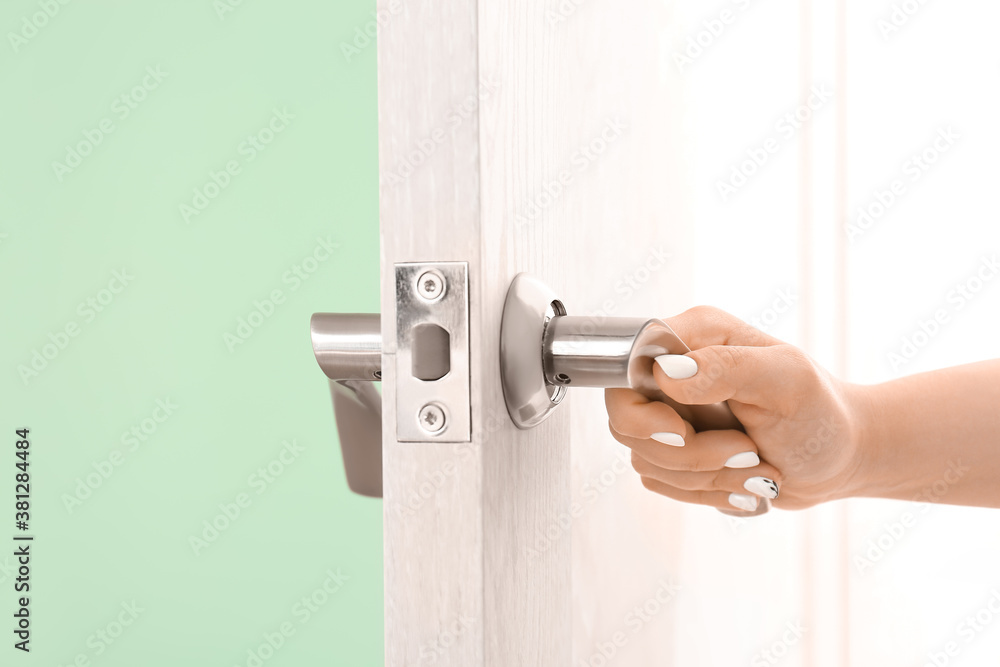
348	348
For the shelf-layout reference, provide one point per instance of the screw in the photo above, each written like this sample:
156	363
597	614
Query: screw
431	418
430	285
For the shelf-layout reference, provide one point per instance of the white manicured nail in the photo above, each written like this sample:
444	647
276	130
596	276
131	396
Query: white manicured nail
762	486
743	460
672	439
743	502
677	366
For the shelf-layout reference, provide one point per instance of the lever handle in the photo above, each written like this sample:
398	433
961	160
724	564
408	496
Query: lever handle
619	353
348	348
584	352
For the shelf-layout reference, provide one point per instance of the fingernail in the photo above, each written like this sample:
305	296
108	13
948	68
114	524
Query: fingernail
743	502
762	486
677	366
672	439
743	460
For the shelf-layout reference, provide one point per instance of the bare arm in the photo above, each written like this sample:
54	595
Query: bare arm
933	437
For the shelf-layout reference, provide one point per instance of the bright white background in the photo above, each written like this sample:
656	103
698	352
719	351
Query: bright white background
855	300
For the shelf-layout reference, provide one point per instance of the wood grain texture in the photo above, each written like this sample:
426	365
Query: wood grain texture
462	581
632	247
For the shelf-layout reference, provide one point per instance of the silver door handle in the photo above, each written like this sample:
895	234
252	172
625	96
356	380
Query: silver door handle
582	352
586	352
543	352
348	348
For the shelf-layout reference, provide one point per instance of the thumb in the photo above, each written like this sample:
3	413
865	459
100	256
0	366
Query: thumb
747	374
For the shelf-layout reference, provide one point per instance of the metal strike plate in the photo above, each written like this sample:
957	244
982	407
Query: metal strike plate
433	399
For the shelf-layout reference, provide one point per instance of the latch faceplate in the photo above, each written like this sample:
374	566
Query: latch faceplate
433	402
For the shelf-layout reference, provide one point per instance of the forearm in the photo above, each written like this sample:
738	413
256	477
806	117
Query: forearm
932	437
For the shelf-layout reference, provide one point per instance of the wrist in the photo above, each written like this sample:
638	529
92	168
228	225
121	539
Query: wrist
868	441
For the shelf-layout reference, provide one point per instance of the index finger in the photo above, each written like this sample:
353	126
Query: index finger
703	326
634	415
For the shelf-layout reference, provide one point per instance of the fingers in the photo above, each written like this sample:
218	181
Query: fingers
645	426
636	416
728	490
717	468
703	326
747	374
702	452
762	480
718	499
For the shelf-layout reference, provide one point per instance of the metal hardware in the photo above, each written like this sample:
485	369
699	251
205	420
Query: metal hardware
543	351
431	371
348	348
431	285
619	352
430	297
529	307
432	418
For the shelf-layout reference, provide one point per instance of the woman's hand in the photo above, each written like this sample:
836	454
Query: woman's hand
801	445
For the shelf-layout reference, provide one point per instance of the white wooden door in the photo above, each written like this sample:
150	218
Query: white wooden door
528	136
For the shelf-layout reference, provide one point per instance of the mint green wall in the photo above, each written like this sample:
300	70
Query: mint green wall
160	334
